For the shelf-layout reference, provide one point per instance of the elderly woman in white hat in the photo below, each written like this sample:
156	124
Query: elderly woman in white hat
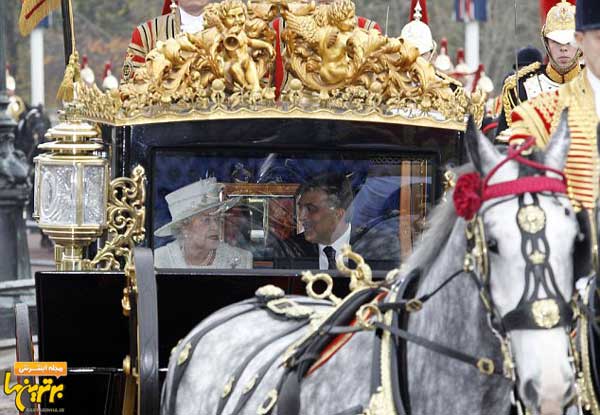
196	212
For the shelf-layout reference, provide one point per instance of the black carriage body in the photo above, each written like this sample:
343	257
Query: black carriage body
79	313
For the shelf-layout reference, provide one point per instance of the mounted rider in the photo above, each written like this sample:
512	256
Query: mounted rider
539	116
564	63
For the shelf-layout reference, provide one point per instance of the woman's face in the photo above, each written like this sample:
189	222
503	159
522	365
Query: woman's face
201	232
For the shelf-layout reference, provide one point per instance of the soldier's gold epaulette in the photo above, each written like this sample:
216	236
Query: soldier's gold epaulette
510	92
536	116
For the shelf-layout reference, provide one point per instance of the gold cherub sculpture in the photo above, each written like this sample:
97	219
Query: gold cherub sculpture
237	46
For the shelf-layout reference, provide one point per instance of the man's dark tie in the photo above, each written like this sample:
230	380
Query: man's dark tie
330	254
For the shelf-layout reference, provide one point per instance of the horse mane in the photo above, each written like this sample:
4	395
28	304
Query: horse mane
441	221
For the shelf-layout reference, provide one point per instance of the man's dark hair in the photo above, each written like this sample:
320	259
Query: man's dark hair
336	186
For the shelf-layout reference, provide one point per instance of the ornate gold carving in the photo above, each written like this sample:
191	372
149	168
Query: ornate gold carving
486	366
382	402
327	294
184	354
340	70
537	258
268	404
531	219
546	313
126	216
228	387
584	379
269	292
289	308
250	385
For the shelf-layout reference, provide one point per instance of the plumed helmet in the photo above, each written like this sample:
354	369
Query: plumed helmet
442	61
417	32
87	74
588	15
560	23
167	4
109	81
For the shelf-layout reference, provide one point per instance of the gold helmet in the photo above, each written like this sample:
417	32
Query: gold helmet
560	23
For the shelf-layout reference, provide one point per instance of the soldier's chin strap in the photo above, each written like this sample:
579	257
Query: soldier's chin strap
557	67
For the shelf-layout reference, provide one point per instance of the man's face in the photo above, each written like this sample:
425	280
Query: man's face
235	18
318	217
590	45
193	7
563	55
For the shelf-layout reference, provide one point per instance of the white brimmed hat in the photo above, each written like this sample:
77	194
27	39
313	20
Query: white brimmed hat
192	199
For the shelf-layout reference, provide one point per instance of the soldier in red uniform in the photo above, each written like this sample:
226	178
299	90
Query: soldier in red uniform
178	16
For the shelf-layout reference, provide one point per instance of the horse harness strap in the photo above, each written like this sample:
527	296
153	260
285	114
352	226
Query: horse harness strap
484	365
250	387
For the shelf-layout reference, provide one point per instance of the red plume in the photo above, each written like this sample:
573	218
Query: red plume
167	7
460	55
478	73
107	67
546	5
424	15
444	46
84	61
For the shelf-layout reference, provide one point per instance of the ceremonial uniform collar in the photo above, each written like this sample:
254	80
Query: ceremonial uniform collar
557	77
190	23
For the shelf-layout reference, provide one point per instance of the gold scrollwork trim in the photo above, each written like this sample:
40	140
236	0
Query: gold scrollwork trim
546	313
376	116
126	216
589	395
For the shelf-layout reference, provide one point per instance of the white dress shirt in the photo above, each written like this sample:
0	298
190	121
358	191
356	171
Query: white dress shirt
337	245
191	24
595	84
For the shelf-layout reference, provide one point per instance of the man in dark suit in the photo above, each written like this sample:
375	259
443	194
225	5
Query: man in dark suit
325	215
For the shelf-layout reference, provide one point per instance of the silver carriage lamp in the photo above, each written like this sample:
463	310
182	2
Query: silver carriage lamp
71	189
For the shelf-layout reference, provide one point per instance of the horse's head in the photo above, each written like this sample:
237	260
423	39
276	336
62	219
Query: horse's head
521	242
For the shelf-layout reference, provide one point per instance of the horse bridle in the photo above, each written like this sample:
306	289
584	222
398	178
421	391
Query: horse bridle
534	311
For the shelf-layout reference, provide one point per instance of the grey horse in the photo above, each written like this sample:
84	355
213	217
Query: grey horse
231	363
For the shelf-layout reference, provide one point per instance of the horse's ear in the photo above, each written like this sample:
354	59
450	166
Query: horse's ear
558	148
482	152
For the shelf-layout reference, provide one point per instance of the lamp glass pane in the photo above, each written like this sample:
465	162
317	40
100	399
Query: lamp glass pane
58	195
94	206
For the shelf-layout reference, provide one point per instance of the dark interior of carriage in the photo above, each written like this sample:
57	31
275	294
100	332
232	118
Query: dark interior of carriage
80	315
392	194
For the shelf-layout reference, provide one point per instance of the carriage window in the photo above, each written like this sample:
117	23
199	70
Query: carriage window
286	210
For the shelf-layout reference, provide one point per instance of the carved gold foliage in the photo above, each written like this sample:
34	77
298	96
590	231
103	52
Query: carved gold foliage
334	66
98	105
126	217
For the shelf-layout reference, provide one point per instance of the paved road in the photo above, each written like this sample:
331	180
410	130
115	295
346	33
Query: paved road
40	256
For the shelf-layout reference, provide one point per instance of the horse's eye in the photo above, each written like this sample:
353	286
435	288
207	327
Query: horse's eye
492	245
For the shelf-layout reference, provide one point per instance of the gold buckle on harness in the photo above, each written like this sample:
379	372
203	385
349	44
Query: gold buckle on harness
414	305
485	366
268	404
364	314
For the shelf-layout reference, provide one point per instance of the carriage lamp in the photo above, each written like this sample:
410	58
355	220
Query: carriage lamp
71	190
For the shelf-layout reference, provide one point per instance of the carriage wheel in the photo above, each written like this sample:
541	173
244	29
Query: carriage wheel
141	366
24	349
